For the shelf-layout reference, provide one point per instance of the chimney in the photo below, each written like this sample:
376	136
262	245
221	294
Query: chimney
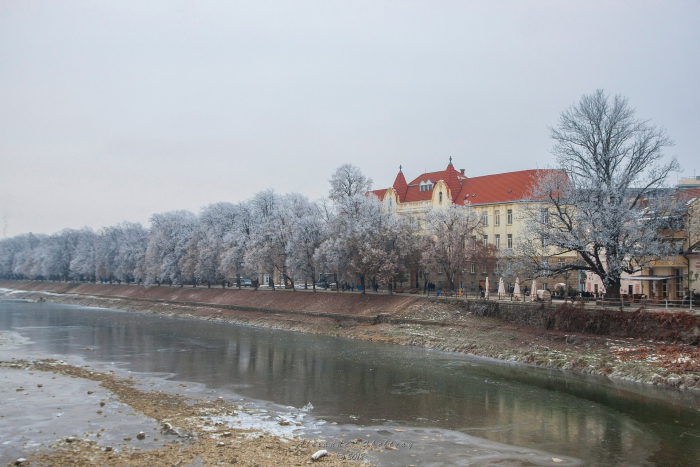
461	171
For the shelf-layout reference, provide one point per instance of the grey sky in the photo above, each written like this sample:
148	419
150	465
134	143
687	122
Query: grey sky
112	111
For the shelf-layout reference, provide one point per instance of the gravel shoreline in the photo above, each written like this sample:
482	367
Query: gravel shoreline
185	429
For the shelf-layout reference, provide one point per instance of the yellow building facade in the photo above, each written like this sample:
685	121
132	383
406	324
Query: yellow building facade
499	200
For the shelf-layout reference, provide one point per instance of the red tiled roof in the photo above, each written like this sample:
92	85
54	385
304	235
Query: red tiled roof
689	194
379	193
498	188
400	186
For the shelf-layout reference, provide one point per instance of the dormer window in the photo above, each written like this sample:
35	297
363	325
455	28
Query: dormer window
426	185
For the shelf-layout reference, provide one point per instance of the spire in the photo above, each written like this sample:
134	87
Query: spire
452	180
400	185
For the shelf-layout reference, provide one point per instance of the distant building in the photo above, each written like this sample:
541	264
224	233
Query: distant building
688	183
672	277
498	199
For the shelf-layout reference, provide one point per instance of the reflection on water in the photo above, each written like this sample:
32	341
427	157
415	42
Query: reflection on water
372	384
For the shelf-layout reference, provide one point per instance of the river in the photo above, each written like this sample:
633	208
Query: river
509	411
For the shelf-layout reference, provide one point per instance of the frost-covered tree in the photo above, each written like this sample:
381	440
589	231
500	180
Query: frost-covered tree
168	237
606	202
57	252
365	242
235	240
266	251
215	222
307	230
132	241
18	256
448	242
83	264
348	181
26	256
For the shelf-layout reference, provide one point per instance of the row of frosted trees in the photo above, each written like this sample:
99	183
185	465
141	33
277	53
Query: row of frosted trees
348	236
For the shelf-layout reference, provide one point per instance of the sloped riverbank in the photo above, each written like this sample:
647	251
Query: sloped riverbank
408	320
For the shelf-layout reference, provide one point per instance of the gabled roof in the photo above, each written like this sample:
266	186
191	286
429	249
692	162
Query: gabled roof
488	189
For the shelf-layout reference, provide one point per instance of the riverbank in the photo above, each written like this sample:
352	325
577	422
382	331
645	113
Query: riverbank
103	425
407	320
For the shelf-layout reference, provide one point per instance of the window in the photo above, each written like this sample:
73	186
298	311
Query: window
510	240
498	241
485	218
473	269
426	186
440	269
441	196
483	268
545	216
497	217
509	220
486	241
473	287
474	242
560	263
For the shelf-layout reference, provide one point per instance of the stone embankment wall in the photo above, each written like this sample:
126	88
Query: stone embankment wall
675	327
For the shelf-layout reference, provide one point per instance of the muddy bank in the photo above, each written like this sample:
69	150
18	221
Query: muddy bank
300	302
450	326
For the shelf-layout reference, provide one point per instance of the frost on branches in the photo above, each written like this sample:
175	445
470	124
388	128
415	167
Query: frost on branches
607	201
450	244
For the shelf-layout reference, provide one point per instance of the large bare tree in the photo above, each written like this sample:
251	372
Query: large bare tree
448	245
607	202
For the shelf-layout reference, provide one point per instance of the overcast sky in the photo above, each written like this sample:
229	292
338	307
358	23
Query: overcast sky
113	111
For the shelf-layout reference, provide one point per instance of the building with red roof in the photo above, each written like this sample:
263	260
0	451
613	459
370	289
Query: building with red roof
497	199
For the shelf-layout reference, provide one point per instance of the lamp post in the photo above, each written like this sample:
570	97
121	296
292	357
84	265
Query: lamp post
566	285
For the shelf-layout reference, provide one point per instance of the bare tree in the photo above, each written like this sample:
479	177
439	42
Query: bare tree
606	202
448	245
348	181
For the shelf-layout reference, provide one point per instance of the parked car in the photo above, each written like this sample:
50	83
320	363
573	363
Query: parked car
246	283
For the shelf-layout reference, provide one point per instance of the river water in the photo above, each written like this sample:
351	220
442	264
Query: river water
452	405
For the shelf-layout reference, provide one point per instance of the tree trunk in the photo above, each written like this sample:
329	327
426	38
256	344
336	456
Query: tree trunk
612	289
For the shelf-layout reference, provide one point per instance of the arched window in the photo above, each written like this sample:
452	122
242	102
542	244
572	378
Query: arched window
441	196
